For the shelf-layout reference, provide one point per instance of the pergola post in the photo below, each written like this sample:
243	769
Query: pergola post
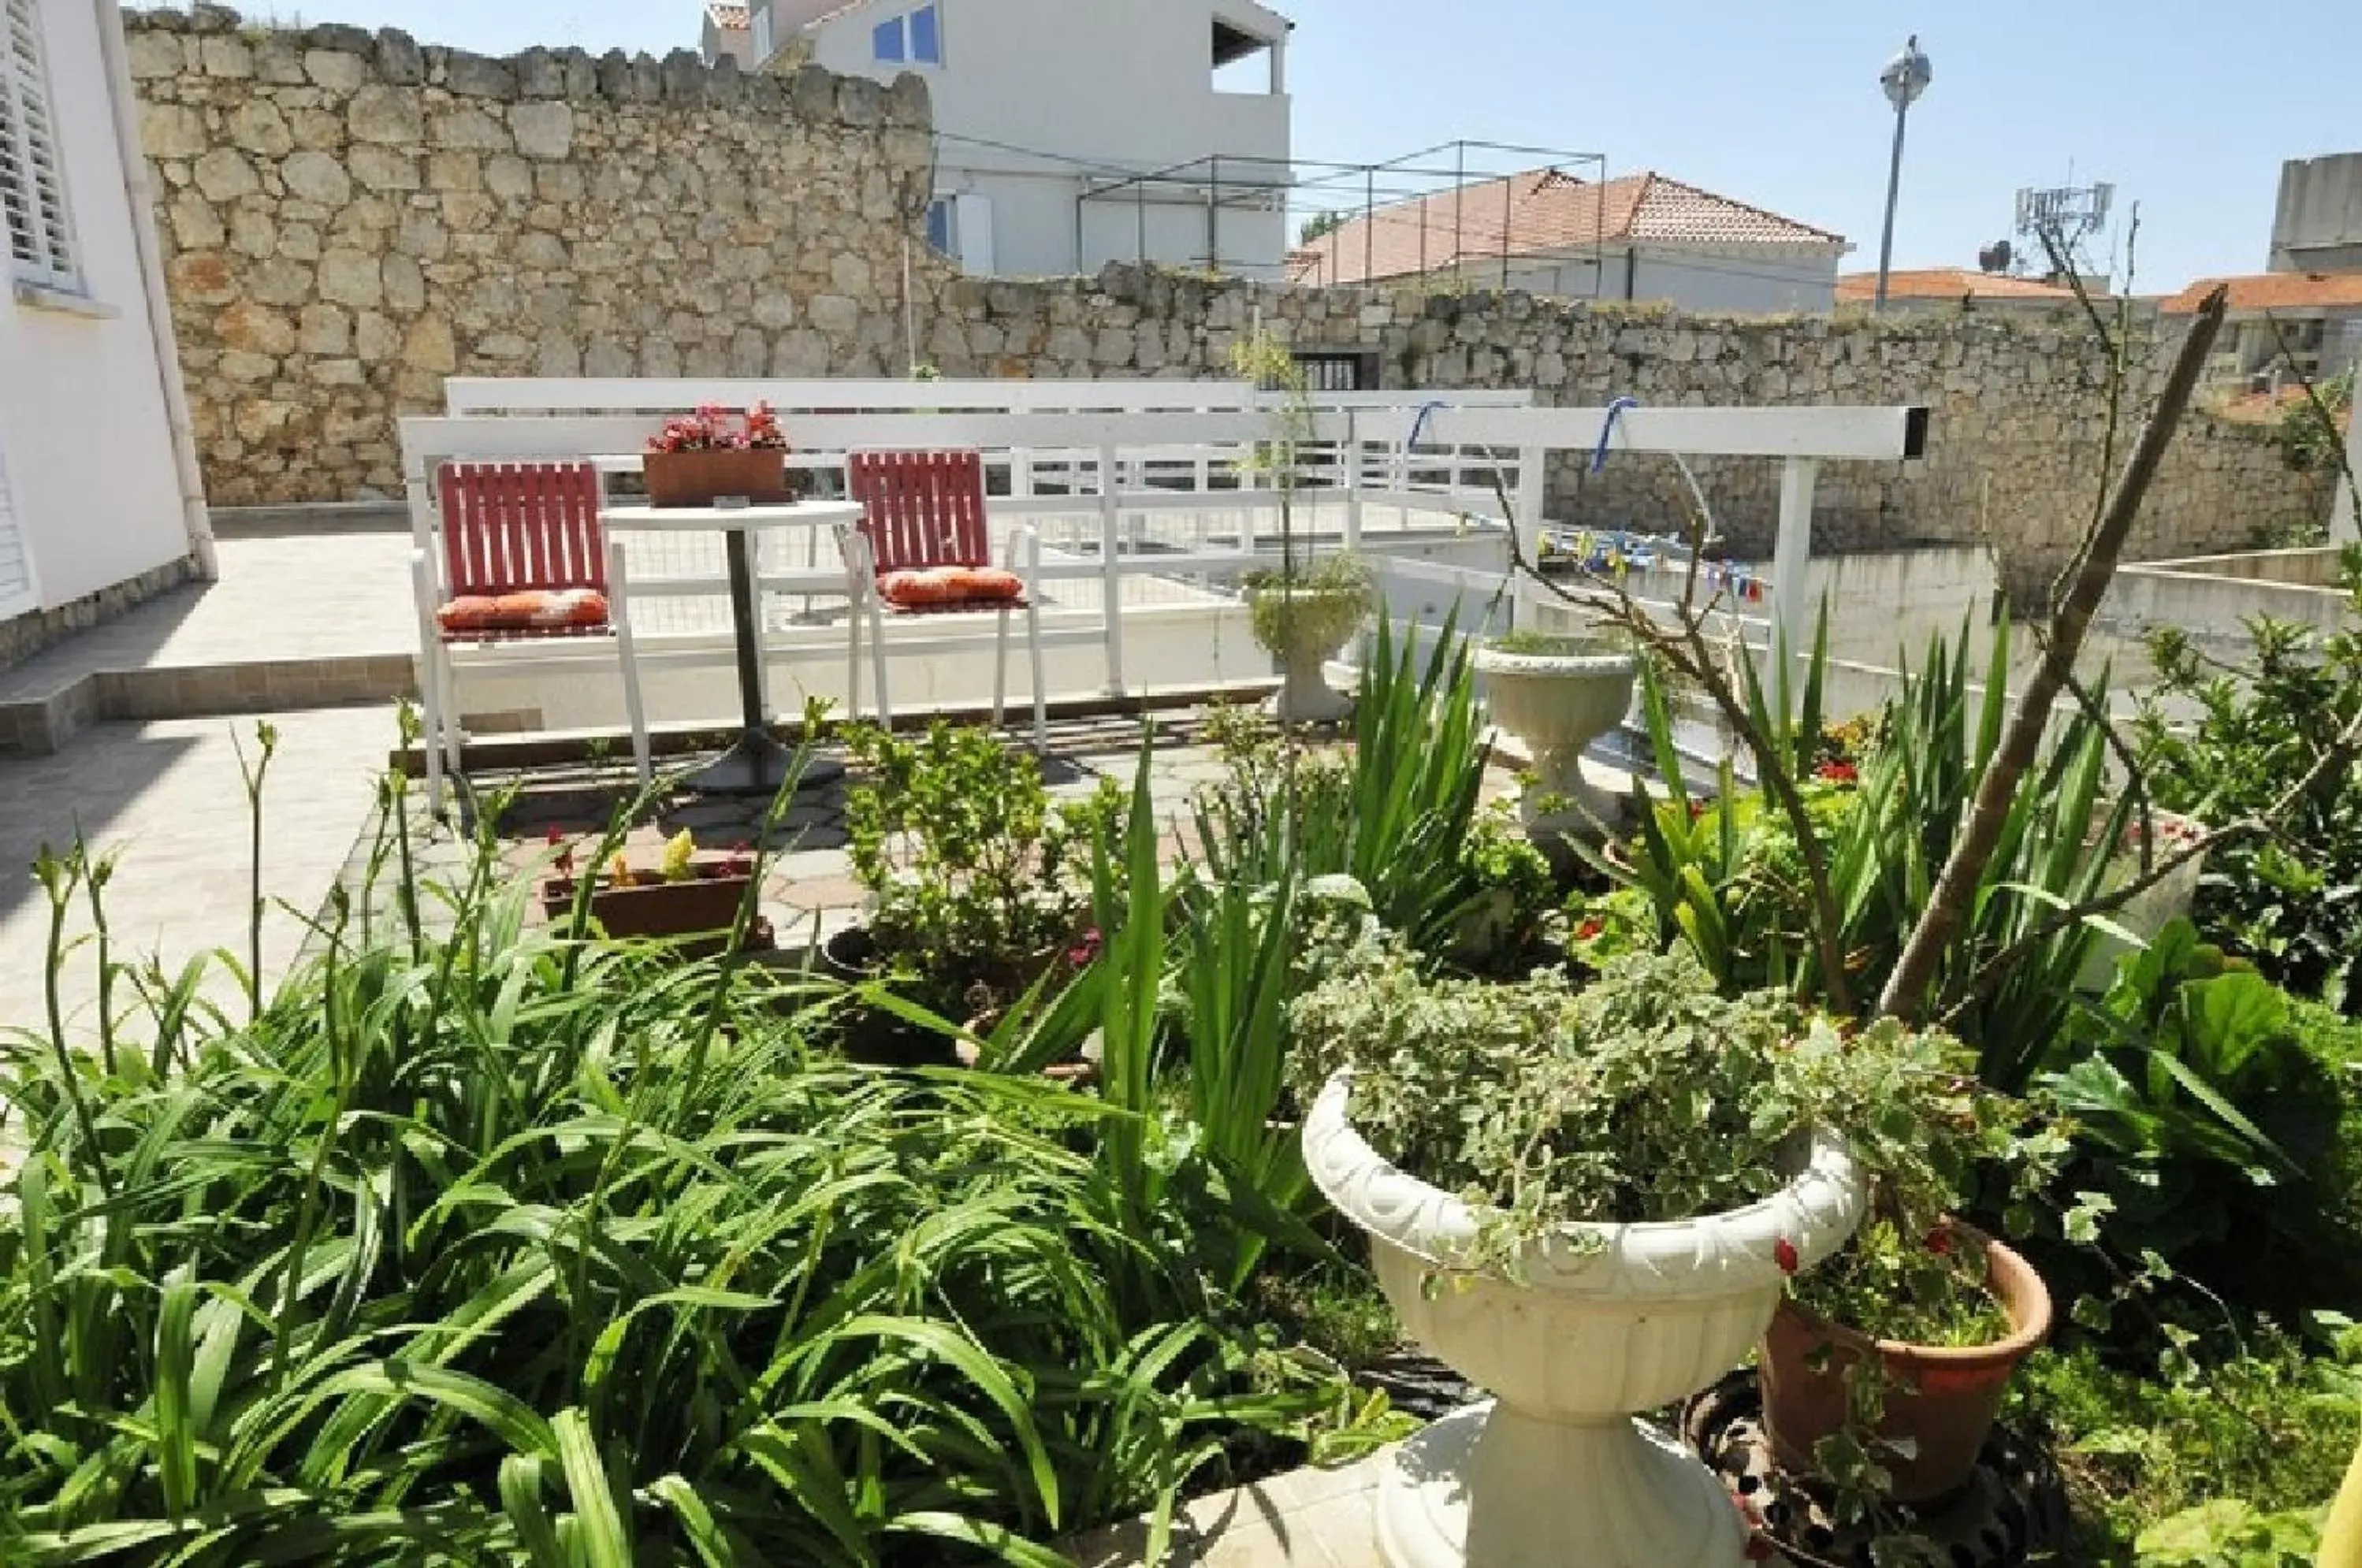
2346	527
1791	557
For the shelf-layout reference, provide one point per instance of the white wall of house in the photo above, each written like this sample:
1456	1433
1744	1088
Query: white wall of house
86	439
1727	280
1101	86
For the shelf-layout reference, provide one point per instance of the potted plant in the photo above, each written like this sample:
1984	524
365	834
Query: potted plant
974	874
1588	1202
1302	619
1882	1371
1558	694
699	458
685	895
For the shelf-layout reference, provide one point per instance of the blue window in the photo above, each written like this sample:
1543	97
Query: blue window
913	38
943	225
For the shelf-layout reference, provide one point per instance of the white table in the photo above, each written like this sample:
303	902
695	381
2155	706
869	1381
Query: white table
756	764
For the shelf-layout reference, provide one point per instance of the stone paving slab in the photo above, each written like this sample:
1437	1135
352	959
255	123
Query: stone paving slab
166	798
1304	1518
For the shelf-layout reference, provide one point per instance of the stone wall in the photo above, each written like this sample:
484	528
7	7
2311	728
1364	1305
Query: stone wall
2019	408
349	217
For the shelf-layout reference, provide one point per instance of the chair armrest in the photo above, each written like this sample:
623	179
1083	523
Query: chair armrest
1024	550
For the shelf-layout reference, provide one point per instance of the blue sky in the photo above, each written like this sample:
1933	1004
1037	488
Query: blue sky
2187	109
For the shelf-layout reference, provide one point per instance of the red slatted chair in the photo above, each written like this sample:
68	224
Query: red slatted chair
925	510
518	528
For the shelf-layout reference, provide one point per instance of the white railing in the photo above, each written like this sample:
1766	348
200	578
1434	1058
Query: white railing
1141	503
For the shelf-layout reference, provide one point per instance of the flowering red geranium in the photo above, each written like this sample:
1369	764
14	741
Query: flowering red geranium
1783	1252
1839	772
1590	929
712	428
1939	1242
1085	952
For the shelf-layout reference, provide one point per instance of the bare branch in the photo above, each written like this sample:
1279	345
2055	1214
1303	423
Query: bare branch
1906	989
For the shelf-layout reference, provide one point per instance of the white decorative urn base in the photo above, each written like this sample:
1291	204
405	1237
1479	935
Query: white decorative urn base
1305	628
1557	704
1305	696
1612	1321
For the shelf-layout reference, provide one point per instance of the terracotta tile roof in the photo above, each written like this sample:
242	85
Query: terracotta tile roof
2275	290
1540	210
1948	283
728	18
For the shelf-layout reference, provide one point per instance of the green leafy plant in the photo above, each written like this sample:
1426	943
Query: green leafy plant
490	1243
1920	1288
1395	811
2200	1120
1730	877
1646	1096
2292	900
1318	606
979	879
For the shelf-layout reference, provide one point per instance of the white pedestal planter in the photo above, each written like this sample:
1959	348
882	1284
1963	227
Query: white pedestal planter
1557	704
1312	626
1555	1472
2148	913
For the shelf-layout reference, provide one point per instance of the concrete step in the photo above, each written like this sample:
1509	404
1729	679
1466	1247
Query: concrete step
42	709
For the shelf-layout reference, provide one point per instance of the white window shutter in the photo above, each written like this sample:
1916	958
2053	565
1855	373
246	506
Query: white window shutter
975	232
32	173
17	595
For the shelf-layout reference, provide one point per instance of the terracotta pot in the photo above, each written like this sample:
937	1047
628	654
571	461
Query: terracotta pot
1940	1402
1554	1470
699	478
705	905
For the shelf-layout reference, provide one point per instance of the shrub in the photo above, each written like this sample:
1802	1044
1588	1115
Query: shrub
1643	1097
974	872
2292	901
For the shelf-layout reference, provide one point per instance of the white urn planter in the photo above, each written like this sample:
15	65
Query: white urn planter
1557	704
1304	628
1554	1472
2145	914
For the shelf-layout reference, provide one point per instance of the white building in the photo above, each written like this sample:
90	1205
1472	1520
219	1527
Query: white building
1636	238
1048	113
98	481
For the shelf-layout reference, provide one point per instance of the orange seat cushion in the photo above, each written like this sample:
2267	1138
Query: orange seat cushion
947	587
541	610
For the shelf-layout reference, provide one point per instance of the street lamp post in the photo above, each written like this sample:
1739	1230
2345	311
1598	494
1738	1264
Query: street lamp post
1906	77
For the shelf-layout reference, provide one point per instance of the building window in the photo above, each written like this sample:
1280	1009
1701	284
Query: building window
32	180
762	30
913	38
943	225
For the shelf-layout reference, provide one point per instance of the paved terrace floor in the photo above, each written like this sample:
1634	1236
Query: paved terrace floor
167	801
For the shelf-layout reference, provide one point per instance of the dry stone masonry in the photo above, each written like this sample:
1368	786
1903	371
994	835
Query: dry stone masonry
351	217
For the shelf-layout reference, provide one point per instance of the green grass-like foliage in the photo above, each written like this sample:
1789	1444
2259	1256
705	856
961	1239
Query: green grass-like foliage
507	1246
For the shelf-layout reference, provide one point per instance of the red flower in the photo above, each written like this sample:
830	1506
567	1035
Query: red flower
1783	1252
1590	929
1838	773
1939	1242
1697	810
1086	950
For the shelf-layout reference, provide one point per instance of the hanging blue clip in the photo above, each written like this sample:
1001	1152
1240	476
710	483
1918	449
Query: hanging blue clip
1608	430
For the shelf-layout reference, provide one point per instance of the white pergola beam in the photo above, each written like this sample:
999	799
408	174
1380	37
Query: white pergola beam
1857	434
